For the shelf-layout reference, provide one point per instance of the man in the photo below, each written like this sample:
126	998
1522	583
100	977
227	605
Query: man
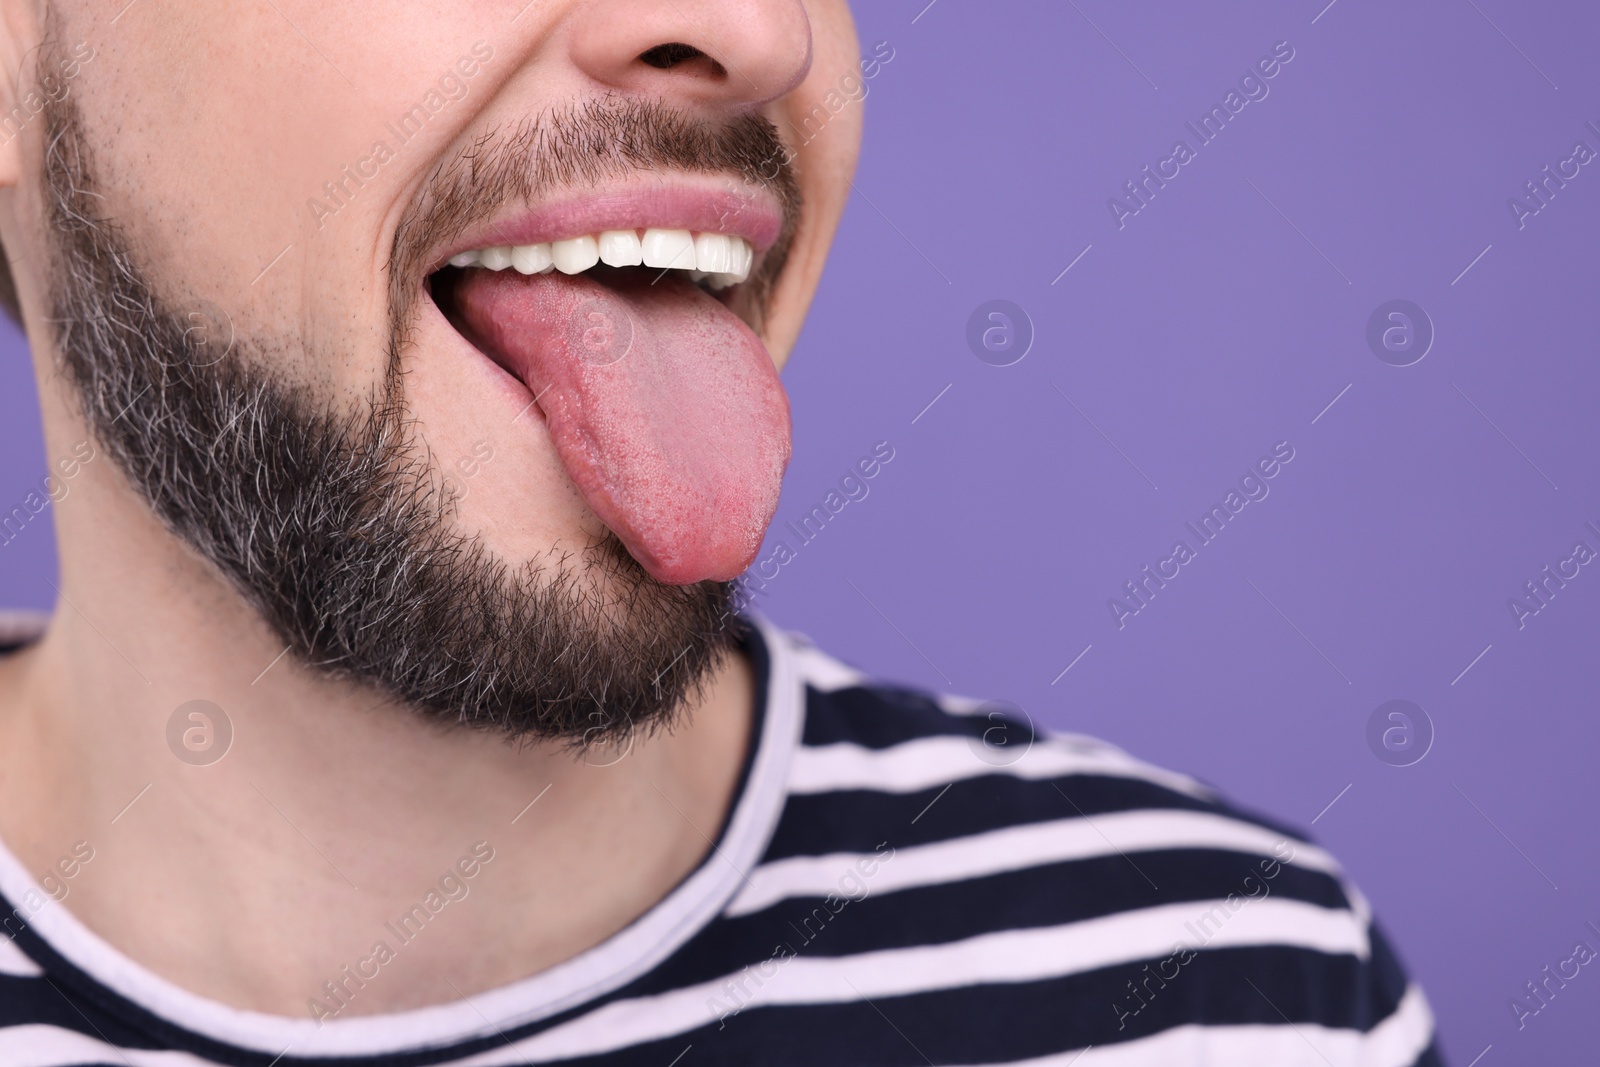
413	368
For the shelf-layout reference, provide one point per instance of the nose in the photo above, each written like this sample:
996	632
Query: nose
736	54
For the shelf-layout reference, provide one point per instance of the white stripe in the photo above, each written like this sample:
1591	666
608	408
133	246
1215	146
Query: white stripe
1404	1035
1015	848
1299	1045
1358	901
14	961
957	704
818	669
37	1045
928	762
826	674
1008	956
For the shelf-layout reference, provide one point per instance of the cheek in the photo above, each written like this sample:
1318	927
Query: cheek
824	165
220	162
835	61
219	126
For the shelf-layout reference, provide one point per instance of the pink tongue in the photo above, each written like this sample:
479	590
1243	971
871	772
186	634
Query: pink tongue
664	407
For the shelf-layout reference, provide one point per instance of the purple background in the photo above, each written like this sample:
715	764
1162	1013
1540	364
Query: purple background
1222	319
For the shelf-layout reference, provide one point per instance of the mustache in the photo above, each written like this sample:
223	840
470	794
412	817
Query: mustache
579	145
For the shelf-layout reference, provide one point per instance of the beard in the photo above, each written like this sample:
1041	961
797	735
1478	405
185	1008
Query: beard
333	522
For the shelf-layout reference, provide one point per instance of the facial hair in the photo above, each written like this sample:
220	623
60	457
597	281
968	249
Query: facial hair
333	522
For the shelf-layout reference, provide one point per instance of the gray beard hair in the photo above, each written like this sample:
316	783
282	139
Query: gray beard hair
335	524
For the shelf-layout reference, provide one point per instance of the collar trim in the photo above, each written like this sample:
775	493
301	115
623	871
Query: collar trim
610	965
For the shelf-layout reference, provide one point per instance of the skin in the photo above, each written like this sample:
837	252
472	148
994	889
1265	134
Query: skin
255	879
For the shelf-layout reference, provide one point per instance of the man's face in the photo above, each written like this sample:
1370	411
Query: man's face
278	189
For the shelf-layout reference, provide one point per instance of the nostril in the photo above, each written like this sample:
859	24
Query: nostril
676	53
670	55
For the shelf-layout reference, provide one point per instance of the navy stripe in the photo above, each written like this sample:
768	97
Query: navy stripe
59	1000
858	820
1431	1056
1012	1021
878	716
1386	976
1050	895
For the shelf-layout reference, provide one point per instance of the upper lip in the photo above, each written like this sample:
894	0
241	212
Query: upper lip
708	203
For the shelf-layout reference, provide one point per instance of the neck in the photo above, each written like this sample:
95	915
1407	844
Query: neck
254	879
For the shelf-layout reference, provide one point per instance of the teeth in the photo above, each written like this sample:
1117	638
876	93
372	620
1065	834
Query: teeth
669	248
713	260
575	254
742	256
532	259
621	248
713	253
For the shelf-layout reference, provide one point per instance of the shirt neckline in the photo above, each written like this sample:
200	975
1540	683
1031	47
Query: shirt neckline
59	942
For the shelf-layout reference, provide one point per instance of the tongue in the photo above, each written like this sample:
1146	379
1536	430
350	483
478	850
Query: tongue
664	407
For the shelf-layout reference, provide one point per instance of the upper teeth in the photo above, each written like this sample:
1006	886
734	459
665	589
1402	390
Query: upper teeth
717	259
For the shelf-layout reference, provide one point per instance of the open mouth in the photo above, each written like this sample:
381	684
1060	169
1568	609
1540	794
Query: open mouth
713	260
662	403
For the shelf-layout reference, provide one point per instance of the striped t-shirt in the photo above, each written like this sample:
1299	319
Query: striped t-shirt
902	880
